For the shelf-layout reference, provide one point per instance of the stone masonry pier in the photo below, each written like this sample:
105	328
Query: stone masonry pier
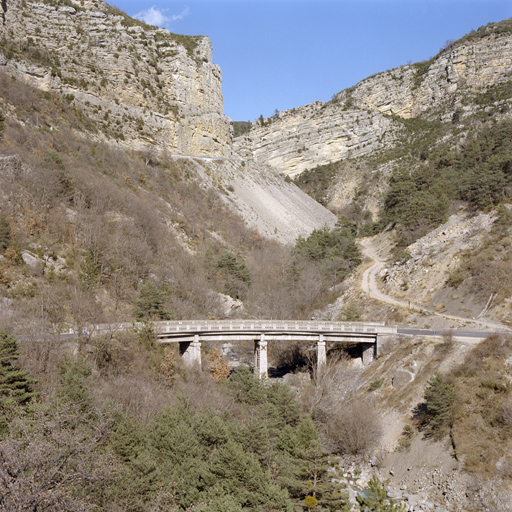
190	335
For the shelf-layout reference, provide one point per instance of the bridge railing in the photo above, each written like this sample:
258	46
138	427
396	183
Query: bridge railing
176	327
269	325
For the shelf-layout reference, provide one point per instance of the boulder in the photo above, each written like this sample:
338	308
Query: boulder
32	262
402	377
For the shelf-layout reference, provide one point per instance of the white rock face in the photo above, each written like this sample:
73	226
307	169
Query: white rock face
316	134
360	120
141	87
466	69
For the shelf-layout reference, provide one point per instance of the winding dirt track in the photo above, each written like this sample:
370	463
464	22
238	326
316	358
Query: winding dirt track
369	286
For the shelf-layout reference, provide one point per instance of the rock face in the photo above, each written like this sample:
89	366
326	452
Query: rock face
315	134
362	119
439	87
141	86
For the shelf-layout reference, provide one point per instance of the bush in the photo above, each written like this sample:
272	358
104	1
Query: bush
400	254
455	279
351	313
355	429
219	365
495	345
375	384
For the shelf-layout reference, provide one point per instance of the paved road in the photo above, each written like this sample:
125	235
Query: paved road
474	335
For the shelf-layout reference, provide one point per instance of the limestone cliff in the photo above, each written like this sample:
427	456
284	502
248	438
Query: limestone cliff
361	119
141	87
144	88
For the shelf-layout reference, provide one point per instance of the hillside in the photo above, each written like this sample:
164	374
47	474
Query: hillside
421	147
124	198
142	88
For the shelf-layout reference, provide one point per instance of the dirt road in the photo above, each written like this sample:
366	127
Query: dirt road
369	286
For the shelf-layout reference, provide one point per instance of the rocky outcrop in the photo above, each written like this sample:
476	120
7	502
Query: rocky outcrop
316	134
441	86
141	86
363	119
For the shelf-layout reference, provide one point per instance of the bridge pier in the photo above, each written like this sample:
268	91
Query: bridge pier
369	352
321	354
191	352
260	358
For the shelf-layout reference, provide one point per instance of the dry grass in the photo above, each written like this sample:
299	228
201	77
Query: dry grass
482	431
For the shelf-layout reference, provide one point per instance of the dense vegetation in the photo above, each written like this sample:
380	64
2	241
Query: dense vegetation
241	127
316	181
239	445
334	251
480	173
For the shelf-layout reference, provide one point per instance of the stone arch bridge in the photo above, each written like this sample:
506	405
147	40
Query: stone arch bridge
191	333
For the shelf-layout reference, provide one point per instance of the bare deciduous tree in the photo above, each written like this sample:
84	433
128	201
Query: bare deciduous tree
354	429
49	462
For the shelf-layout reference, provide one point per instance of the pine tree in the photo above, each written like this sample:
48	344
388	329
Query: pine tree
89	272
16	387
150	303
5	233
308	475
375	499
439	396
236	275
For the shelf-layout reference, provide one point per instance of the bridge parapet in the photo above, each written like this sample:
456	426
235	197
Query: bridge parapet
188	326
190	333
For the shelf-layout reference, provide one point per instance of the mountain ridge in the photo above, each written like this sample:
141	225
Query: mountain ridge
361	120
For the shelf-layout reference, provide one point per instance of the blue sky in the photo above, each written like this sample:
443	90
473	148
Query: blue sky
280	54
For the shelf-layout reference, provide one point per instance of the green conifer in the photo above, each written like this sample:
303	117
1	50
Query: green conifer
439	396
5	233
16	387
150	303
375	499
